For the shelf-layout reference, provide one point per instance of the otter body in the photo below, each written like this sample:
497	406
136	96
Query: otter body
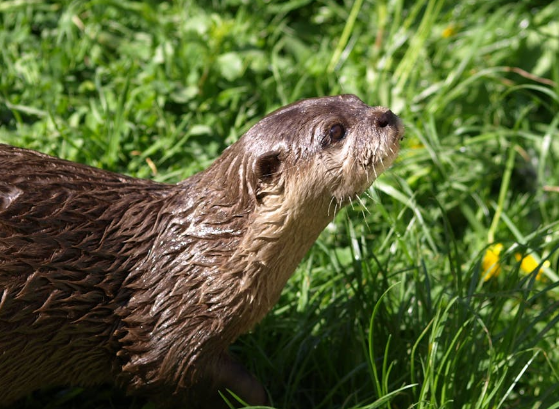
110	279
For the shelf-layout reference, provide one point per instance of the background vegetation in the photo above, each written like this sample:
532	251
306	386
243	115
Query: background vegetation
392	307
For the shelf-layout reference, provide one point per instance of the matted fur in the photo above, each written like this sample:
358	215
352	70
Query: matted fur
110	279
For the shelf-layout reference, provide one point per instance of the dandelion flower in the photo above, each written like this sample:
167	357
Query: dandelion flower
490	262
449	31
529	264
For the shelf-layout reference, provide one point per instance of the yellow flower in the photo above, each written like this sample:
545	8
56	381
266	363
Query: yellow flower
490	262
449	31
529	264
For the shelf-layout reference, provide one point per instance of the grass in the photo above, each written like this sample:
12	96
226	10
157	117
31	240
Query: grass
390	308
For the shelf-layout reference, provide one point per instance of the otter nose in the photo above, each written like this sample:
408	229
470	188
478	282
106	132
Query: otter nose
385	119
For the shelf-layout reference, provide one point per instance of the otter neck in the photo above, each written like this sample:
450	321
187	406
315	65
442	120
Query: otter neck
275	243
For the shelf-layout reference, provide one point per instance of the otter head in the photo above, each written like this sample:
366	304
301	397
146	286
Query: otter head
322	151
299	165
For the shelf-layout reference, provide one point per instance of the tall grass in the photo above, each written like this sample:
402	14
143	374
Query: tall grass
392	307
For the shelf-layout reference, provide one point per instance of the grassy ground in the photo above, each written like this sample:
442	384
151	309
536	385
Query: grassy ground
393	307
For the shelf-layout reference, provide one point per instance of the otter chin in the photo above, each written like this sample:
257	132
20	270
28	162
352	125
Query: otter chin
106	278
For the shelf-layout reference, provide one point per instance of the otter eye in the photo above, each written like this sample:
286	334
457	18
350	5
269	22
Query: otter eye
337	133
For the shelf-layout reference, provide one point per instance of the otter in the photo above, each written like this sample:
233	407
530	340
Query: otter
106	278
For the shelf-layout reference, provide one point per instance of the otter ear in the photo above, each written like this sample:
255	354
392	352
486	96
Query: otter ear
267	167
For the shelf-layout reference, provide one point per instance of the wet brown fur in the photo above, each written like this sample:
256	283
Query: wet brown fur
110	279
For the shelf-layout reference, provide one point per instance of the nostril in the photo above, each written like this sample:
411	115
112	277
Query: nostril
385	119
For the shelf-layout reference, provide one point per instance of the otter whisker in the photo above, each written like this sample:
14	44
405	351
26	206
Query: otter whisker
363	204
332	200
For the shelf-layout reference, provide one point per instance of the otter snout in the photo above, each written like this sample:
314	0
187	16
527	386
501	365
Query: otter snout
389	119
385	119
